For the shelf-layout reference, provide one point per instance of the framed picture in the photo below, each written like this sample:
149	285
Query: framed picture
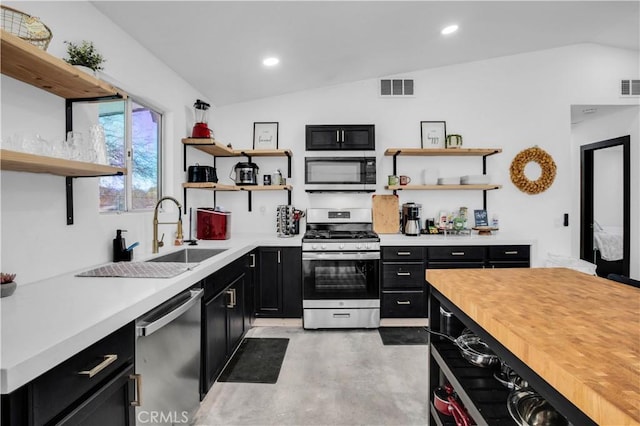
433	134
480	217
265	135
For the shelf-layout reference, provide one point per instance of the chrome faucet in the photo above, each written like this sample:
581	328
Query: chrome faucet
156	243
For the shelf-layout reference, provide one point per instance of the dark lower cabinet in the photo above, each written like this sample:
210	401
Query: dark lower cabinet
108	406
403	289
403	285
223	319
93	387
508	256
278	282
340	137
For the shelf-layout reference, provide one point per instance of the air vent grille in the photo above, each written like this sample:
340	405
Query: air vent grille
629	87
396	88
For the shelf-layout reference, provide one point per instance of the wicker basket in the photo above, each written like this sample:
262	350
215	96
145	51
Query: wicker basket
26	27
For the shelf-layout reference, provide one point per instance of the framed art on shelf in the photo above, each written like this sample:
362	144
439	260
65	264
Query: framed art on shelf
265	135
433	134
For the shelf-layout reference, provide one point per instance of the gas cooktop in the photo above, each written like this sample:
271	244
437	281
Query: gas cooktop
326	234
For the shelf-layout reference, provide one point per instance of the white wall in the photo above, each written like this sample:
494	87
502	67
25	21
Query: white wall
36	242
616	122
512	102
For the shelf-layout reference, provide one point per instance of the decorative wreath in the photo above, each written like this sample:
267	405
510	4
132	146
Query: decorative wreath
546	163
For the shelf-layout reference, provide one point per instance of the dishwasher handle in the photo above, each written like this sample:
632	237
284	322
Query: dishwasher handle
144	328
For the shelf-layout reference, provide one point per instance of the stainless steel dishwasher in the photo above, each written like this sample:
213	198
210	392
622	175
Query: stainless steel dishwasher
168	359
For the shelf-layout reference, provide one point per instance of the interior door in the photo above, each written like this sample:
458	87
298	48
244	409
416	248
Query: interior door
596	202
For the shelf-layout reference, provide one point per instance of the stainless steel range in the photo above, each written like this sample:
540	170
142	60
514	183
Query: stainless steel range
340	269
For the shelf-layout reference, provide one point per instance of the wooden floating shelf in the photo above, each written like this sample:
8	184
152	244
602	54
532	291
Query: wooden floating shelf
264	152
210	146
223	187
23	162
29	64
443	187
265	187
218	149
442	152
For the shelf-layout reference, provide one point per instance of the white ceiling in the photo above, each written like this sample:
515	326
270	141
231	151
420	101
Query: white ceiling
218	46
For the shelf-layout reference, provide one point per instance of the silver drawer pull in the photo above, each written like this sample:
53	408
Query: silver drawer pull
138	378
457	253
108	359
403	302
403	274
342	315
404	253
511	252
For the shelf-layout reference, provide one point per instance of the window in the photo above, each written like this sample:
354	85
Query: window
133	135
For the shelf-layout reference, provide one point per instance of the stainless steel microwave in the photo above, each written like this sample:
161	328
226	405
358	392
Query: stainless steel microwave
340	174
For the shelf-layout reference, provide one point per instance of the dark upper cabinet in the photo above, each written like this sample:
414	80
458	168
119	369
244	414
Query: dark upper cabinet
354	137
278	290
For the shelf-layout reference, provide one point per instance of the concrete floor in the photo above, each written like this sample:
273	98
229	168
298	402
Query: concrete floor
328	377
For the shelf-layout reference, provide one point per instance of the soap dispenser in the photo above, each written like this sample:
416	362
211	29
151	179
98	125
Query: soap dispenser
120	252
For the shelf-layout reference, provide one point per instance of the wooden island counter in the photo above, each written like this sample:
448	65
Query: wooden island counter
574	337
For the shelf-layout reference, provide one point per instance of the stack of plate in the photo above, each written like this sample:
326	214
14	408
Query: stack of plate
449	181
474	180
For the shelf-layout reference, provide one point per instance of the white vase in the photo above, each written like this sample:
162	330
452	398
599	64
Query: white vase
86	69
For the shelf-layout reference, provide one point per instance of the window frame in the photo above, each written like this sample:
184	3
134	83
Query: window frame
129	153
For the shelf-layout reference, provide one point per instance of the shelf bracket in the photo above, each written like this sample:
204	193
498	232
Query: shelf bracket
184	159
395	164
288	168
249	195
69	191
184	200
289	197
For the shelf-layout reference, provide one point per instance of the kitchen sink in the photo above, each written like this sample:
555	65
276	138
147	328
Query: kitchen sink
188	255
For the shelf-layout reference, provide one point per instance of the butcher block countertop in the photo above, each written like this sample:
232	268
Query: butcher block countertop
578	332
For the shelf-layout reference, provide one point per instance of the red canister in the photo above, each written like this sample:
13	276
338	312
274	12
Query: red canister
213	225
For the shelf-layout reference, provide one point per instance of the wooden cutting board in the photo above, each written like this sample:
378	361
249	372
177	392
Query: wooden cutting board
385	214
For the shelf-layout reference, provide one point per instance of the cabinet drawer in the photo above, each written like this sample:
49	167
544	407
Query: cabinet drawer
513	253
63	385
403	304
458	253
403	275
453	265
403	253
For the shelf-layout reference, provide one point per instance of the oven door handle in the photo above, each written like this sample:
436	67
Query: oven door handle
375	255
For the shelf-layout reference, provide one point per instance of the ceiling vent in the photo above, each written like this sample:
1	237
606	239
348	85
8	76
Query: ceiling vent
391	88
629	88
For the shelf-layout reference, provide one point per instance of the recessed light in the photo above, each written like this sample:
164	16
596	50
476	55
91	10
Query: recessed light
269	62
449	29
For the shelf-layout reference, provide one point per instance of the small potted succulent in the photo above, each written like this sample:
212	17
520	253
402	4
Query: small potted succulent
7	284
84	55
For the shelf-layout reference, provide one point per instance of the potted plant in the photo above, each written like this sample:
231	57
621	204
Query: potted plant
7	284
85	55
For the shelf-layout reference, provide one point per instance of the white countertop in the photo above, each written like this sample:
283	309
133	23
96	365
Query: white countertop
45	322
496	238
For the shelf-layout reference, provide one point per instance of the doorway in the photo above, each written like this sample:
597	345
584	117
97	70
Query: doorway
605	205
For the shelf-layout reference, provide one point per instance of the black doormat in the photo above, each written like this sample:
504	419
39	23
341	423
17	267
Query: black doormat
256	361
403	335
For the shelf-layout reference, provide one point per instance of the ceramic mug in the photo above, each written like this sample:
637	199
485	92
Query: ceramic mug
454	141
393	180
405	180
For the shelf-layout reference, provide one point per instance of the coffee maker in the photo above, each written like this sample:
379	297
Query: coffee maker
411	218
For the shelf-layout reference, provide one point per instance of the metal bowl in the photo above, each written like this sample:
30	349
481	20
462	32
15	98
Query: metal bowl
477	352
528	408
